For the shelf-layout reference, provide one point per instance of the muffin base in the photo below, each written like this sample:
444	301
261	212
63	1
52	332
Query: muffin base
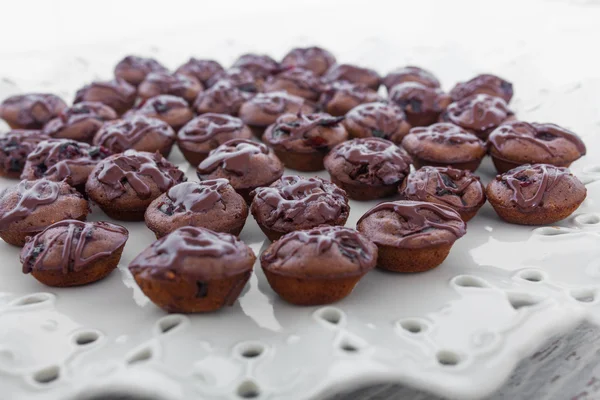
96	271
466	165
363	192
124	215
311	292
193	157
10	174
304	162
234	229
258	131
19	238
180	295
542	217
397	259
503	165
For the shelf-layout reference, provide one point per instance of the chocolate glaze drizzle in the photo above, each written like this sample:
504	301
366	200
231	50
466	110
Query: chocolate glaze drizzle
121	135
242	79
200	69
540	135
193	196
298	129
159	105
171	83
381	119
32	194
206	126
222	97
72	236
302	78
360	93
233	156
415	97
275	103
313	58
478	112
444	132
485	83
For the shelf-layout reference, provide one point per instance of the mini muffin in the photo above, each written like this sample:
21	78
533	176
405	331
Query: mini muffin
444	144
536	194
293	203
264	109
117	94
207	132
410	74
200	69
340	97
193	270
412	236
302	141
80	122
134	69
31	206
211	204
157	83
222	98
173	110
136	132
316	59
486	84
382	120
479	114
60	159
242	79
368	168
125	184
31	111
74	253
297	81
458	189
15	146
246	164
516	143
422	104
318	266
259	65
353	74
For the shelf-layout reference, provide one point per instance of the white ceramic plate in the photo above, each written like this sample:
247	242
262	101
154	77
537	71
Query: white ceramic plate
456	331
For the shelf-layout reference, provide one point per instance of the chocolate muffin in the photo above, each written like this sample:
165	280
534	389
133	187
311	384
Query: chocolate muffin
74	253
422	104
211	204
340	97
193	270
264	109
412	236
60	159
353	74
536	194
80	122
173	110
318	266
302	141
516	143
314	58
15	146
259	65
125	184
246	164
242	79
458	189
382	120
134	69
117	94
293	203
410	74
207	132
444	144
479	114
31	110
368	168
222	98
136	132
31	206
483	84
297	81
157	83
201	69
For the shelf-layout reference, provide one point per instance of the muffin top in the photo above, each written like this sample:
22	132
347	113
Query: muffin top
456	188
80	121
194	253
325	251
486	84
240	78
207	131
414	97
117	94
411	224
15	146
340	97
542	143
161	105
200	69
123	134
179	85
295	202
316	59
410	74
264	108
382	120
306	133
134	69
296	81
259	65
72	245
536	187
479	113
31	110
222	97
196	197
353	74
371	161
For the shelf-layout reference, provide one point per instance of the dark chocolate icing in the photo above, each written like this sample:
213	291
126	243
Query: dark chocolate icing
275	103
35	109
200	69
32	194
131	167
122	134
360	93
485	83
284	131
223	97
193	196
410	74
259	65
159	105
415	97
233	156
444	132
302	78
167	82
16	146
479	112
381	119
206	126
73	239
86	110
242	79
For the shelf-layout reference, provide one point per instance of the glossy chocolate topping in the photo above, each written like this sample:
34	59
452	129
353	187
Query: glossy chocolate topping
381	119
171	83
133	69
259	65
410	74
353	74
159	105
313	58
479	112
193	196
301	128
486	84
32	194
444	132
200	69
80	112
222	97
117	94
415	97
303	80
276	103
31	110
242	79
358	93
122	134
16	146
131	167
206	126
71	237
233	156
